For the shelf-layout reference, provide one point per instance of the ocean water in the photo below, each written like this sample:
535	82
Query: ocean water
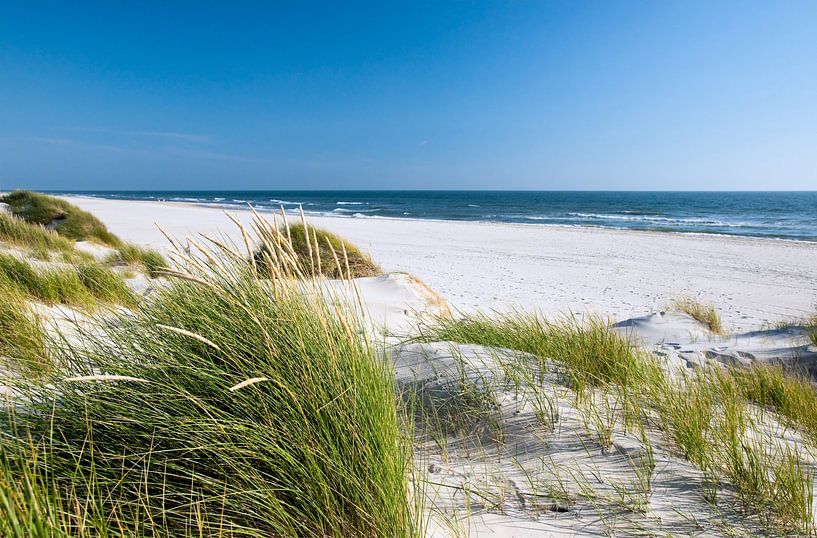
783	215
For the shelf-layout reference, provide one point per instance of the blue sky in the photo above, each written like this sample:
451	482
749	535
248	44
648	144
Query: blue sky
388	95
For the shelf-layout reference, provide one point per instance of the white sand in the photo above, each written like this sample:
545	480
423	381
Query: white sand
623	274
515	476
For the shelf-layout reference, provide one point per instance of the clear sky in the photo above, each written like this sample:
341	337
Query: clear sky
473	95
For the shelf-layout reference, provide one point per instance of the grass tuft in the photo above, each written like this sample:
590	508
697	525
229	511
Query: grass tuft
36	238
319	252
21	338
150	260
703	313
227	405
66	219
104	284
592	353
85	285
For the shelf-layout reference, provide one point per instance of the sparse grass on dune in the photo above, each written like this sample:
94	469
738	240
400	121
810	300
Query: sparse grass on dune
36	238
150	260
21	337
809	324
789	393
227	406
33	211
811	328
85	285
464	405
706	414
592	353
703	313
319	252
68	220
685	410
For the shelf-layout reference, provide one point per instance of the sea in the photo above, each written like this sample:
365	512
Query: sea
781	215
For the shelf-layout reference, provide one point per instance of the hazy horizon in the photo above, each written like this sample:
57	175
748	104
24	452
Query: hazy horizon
596	96
464	189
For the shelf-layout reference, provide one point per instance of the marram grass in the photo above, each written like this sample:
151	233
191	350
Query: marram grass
68	220
86	285
150	260
316	252
703	313
156	429
705	414
33	211
592	354
22	341
36	238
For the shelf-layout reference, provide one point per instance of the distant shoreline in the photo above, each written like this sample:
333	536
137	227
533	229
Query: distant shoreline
486	266
354	211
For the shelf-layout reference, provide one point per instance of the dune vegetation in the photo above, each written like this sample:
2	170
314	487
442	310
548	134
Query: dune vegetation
66	219
713	416
55	224
226	405
811	328
21	337
578	345
84	285
243	398
703	313
37	239
151	261
318	252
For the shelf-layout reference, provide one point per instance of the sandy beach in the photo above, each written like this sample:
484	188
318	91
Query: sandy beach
485	266
522	426
424	270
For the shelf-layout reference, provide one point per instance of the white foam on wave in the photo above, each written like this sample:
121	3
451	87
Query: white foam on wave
691	221
362	216
344	210
351	203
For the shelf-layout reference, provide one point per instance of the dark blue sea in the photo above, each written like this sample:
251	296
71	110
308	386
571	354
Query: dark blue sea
783	215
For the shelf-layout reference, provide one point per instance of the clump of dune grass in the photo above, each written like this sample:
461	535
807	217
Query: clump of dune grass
686	409
37	239
105	285
592	354
789	392
316	252
811	328
21	337
460	402
703	313
66	219
706	414
227	405
148	259
85	285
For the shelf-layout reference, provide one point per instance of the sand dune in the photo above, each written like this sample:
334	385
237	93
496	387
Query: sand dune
503	445
623	274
